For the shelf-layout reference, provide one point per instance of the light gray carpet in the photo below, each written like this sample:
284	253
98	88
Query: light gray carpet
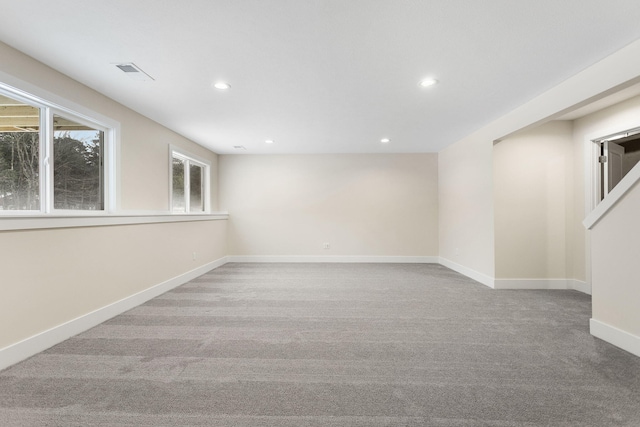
303	345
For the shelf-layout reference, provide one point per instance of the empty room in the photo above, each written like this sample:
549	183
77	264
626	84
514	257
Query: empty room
311	213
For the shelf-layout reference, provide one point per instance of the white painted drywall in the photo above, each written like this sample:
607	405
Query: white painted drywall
361	204
465	168
50	277
466	205
615	241
533	173
619	117
53	276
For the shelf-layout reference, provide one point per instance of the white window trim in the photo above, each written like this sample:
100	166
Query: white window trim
595	208
113	216
590	160
111	128
175	151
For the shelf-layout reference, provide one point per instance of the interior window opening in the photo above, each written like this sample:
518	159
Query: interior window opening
619	154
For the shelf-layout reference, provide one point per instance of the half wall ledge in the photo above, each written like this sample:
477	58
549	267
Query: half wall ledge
15	223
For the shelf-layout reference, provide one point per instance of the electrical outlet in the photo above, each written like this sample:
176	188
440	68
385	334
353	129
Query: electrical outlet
195	255
325	246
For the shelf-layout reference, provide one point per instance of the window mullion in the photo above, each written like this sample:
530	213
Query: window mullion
206	177
201	181
187	185
47	159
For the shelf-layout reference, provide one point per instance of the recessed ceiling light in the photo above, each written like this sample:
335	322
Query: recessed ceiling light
222	85
428	82
385	140
269	141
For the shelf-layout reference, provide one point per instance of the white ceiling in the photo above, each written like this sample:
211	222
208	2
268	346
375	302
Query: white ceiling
321	76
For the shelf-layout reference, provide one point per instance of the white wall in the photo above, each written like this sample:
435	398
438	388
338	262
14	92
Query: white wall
615	243
52	276
465	168
466	207
362	205
622	116
615	239
533	187
539	179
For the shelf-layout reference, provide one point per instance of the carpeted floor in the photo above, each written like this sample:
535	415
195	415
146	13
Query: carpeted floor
301	345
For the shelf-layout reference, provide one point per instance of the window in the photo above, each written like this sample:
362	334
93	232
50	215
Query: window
189	183
77	166
51	159
19	155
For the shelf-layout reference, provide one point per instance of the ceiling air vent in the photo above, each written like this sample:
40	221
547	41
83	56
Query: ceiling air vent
135	72
239	147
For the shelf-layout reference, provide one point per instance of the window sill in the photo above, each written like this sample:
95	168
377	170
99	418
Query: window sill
34	222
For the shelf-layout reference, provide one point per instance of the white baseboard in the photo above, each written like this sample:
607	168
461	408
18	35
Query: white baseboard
578	285
44	340
33	345
542	284
472	274
334	258
615	336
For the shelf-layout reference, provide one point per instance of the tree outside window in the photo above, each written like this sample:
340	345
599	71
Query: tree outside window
73	168
188	183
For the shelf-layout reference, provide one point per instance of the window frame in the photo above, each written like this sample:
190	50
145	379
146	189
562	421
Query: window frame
190	159
48	109
600	178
